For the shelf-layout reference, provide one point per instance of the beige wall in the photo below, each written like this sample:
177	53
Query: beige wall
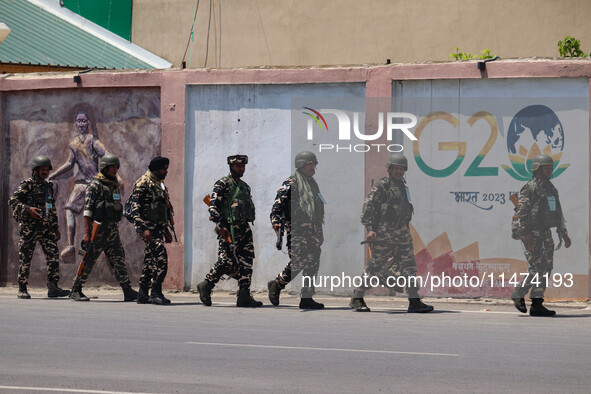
330	32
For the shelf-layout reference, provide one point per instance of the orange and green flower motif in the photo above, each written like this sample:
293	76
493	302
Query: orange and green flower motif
521	162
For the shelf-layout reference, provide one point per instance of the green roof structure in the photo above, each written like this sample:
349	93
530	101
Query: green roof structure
45	34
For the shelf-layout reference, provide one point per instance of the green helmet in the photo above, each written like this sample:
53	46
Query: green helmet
108	160
305	157
41	161
397	159
541	160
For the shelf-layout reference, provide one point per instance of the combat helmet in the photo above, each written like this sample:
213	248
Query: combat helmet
108	159
305	157
41	161
541	160
397	159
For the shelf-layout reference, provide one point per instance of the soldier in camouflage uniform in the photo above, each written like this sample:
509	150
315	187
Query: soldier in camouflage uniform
33	207
232	209
102	204
386	215
151	213
301	205
537	211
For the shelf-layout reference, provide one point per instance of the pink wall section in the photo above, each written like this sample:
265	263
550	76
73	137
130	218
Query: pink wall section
172	84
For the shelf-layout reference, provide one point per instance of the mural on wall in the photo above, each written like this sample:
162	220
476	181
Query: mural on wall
472	152
85	150
463	198
74	128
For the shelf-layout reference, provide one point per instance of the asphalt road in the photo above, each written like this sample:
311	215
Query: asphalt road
109	346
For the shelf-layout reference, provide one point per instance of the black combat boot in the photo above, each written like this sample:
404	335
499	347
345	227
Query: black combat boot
309	303
204	288
157	297
274	290
537	309
518	301
53	291
519	304
129	294
76	293
142	295
22	292
359	305
357	302
245	300
415	305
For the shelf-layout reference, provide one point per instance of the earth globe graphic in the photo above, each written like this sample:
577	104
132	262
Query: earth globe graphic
535	124
534	130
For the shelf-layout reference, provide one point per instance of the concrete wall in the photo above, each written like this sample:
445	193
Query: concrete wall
126	121
256	120
199	112
239	33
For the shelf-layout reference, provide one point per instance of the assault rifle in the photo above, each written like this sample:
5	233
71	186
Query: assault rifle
89	250
207	201
280	233
170	223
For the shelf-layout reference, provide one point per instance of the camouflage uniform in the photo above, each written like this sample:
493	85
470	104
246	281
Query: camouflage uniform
103	204
34	192
150	211
537	212
304	235
231	207
387	211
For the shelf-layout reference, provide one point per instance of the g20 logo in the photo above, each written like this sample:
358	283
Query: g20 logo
533	130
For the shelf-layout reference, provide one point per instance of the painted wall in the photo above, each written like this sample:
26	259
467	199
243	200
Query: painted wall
476	142
198	116
239	33
126	121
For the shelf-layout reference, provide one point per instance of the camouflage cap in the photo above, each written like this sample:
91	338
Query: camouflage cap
41	161
238	159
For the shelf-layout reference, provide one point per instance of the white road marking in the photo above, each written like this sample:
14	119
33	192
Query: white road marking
321	349
71	390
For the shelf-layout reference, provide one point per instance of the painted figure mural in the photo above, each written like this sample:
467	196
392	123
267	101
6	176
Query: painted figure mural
85	150
75	129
